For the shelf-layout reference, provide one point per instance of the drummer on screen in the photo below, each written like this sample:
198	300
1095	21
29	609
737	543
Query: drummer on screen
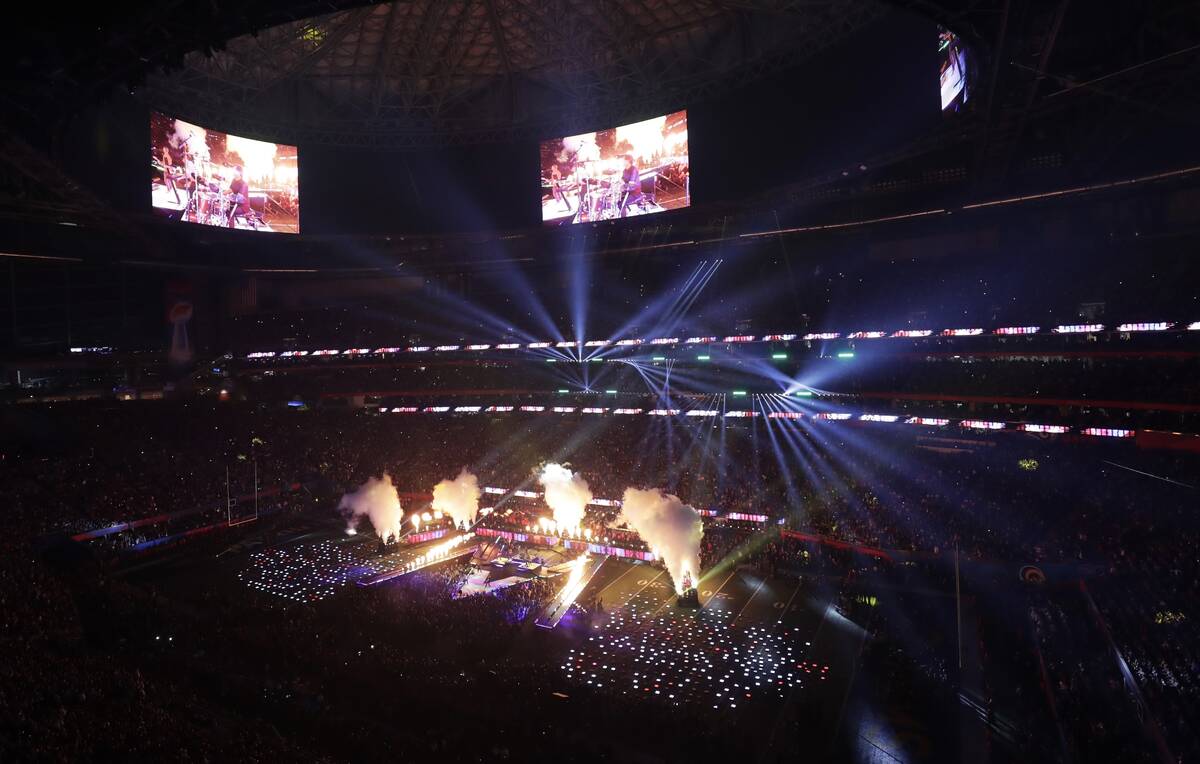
239	196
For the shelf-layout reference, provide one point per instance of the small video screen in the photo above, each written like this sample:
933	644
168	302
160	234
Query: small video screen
204	176
637	169
956	70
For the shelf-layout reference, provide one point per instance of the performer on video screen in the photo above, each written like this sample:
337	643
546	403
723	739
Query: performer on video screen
168	171
239	194
633	183
556	186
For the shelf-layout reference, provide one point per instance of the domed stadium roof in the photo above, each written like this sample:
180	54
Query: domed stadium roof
428	72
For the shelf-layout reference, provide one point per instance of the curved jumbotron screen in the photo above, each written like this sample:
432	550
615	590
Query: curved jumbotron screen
630	170
205	176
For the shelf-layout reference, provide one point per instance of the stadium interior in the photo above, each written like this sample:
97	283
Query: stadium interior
422	406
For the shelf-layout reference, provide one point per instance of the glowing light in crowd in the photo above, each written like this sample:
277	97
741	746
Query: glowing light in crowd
1107	432
929	422
1018	330
831	416
702	358
634	341
1078	328
671	529
845	354
610	392
779	356
1053	429
659	358
979	424
746	517
1157	326
878	418
562	390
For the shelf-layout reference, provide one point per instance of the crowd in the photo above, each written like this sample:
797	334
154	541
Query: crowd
83	466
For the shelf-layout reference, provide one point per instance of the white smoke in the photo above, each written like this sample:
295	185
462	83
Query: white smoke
645	137
258	158
376	499
669	527
458	498
579	148
567	495
198	145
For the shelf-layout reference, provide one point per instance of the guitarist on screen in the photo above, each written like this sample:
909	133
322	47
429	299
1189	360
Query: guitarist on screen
632	182
239	196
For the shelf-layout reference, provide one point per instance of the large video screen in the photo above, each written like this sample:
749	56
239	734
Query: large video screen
636	169
956	70
204	176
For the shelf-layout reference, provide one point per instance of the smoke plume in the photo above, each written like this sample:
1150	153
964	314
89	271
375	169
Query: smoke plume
458	498
376	499
567	495
669	527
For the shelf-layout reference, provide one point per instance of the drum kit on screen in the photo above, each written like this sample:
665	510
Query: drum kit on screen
205	186
599	194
